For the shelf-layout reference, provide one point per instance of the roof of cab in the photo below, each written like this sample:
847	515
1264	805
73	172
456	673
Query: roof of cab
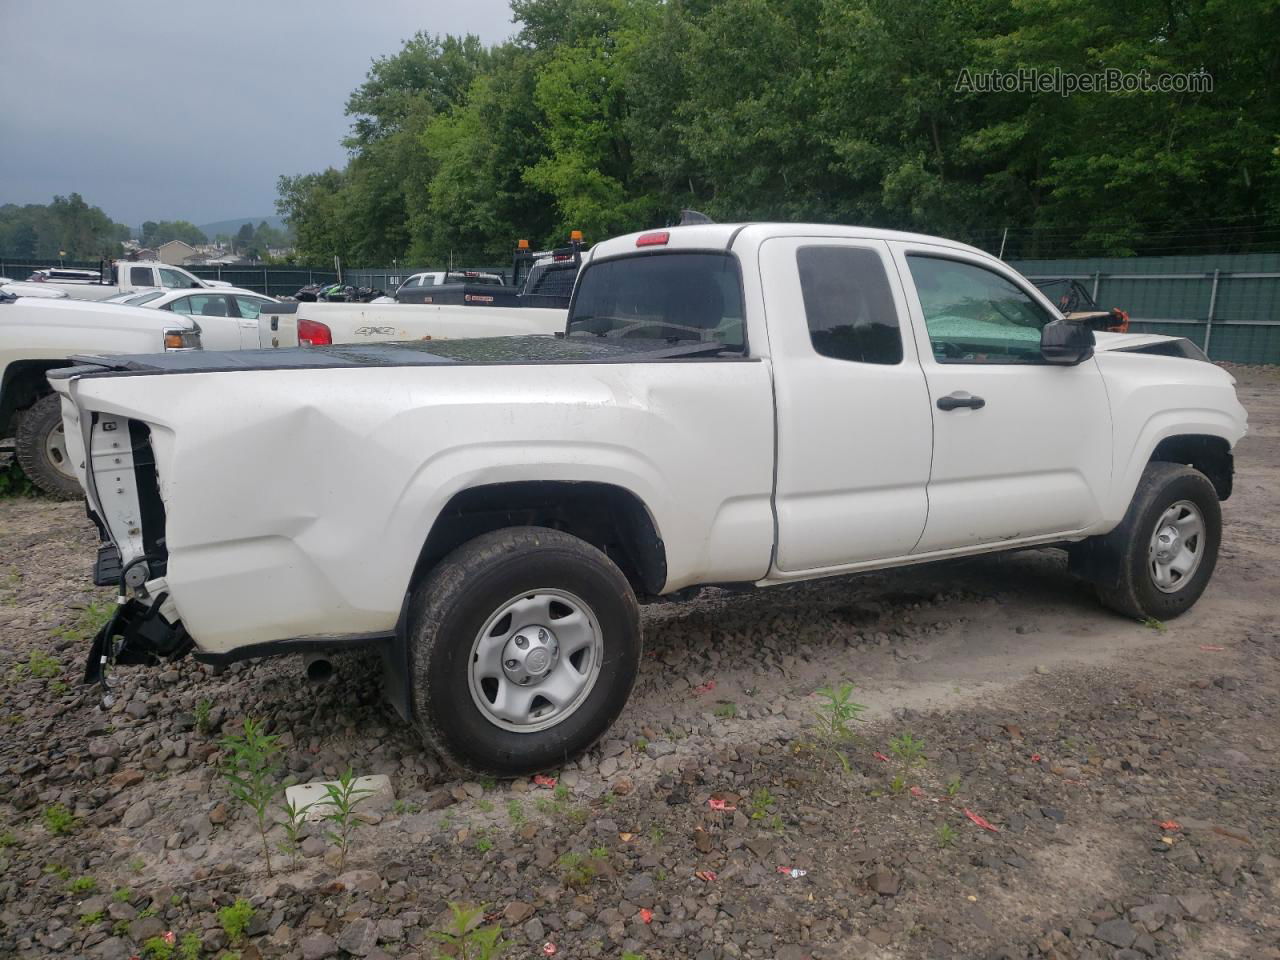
719	236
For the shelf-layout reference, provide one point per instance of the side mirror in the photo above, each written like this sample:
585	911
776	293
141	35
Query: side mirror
1066	342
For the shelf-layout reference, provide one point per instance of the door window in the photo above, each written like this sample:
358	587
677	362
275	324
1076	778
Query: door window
173	279
849	305
250	307
975	315
201	305
140	276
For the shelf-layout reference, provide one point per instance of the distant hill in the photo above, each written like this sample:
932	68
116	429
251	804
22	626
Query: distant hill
229	227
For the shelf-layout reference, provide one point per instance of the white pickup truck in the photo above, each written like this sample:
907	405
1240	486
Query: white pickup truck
752	404
320	324
38	334
120	277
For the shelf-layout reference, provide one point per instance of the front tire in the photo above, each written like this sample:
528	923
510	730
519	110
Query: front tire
524	645
41	449
1166	547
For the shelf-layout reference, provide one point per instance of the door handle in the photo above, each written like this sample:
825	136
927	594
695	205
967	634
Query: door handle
953	401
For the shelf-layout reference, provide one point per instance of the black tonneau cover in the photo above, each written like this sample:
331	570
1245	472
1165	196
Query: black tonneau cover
485	350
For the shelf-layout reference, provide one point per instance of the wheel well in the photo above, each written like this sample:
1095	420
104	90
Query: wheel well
610	518
1210	455
24	383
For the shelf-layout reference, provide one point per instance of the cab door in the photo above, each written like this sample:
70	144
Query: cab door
247	310
1022	448
854	433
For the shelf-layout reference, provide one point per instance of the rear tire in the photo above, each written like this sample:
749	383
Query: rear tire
1166	547
42	452
506	618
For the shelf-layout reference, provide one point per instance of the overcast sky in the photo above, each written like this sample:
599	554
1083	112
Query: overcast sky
155	110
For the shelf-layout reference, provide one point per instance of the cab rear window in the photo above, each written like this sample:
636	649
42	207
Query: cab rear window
673	297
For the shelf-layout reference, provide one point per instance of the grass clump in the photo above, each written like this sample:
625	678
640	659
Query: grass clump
58	820
235	920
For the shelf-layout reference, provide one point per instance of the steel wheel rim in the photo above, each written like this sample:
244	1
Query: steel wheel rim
1177	547
532	686
55	451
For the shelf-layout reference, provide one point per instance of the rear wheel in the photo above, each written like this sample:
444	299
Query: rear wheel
41	447
524	645
1166	548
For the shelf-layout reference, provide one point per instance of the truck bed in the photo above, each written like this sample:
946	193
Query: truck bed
485	350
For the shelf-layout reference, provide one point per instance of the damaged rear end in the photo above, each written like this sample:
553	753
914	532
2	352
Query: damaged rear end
116	465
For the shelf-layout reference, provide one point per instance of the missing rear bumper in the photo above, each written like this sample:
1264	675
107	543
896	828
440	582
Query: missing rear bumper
137	635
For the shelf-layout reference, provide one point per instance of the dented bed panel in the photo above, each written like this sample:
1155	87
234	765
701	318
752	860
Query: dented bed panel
297	504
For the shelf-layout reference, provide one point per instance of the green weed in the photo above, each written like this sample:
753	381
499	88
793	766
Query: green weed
341	799
837	710
58	820
250	763
235	920
465	939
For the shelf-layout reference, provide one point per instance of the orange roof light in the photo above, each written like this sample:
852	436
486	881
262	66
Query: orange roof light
575	236
522	244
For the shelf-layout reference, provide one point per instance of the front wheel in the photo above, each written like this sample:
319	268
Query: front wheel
41	449
524	645
1166	547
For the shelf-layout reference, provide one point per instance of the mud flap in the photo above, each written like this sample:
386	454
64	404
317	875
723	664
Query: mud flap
136	636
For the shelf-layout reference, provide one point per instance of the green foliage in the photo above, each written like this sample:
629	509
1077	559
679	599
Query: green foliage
58	870
608	115
1151	623
946	835
89	919
295	819
154	234
7	839
158	948
465	939
87	622
42	665
235	920
58	819
483	845
189	946
66	228
908	749
83	884
122	895
515	811
203	709
576	870
249	765
726	710
15	484
837	710
341	799
953	786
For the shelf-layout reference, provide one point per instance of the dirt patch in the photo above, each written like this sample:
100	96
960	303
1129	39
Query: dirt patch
1129	776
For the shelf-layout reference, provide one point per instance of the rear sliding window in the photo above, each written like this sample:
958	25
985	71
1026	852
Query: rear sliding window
848	304
674	297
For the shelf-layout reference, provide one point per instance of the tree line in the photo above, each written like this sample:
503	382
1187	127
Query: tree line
612	115
68	228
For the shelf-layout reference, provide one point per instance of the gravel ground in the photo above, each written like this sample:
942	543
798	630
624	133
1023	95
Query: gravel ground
1086	787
